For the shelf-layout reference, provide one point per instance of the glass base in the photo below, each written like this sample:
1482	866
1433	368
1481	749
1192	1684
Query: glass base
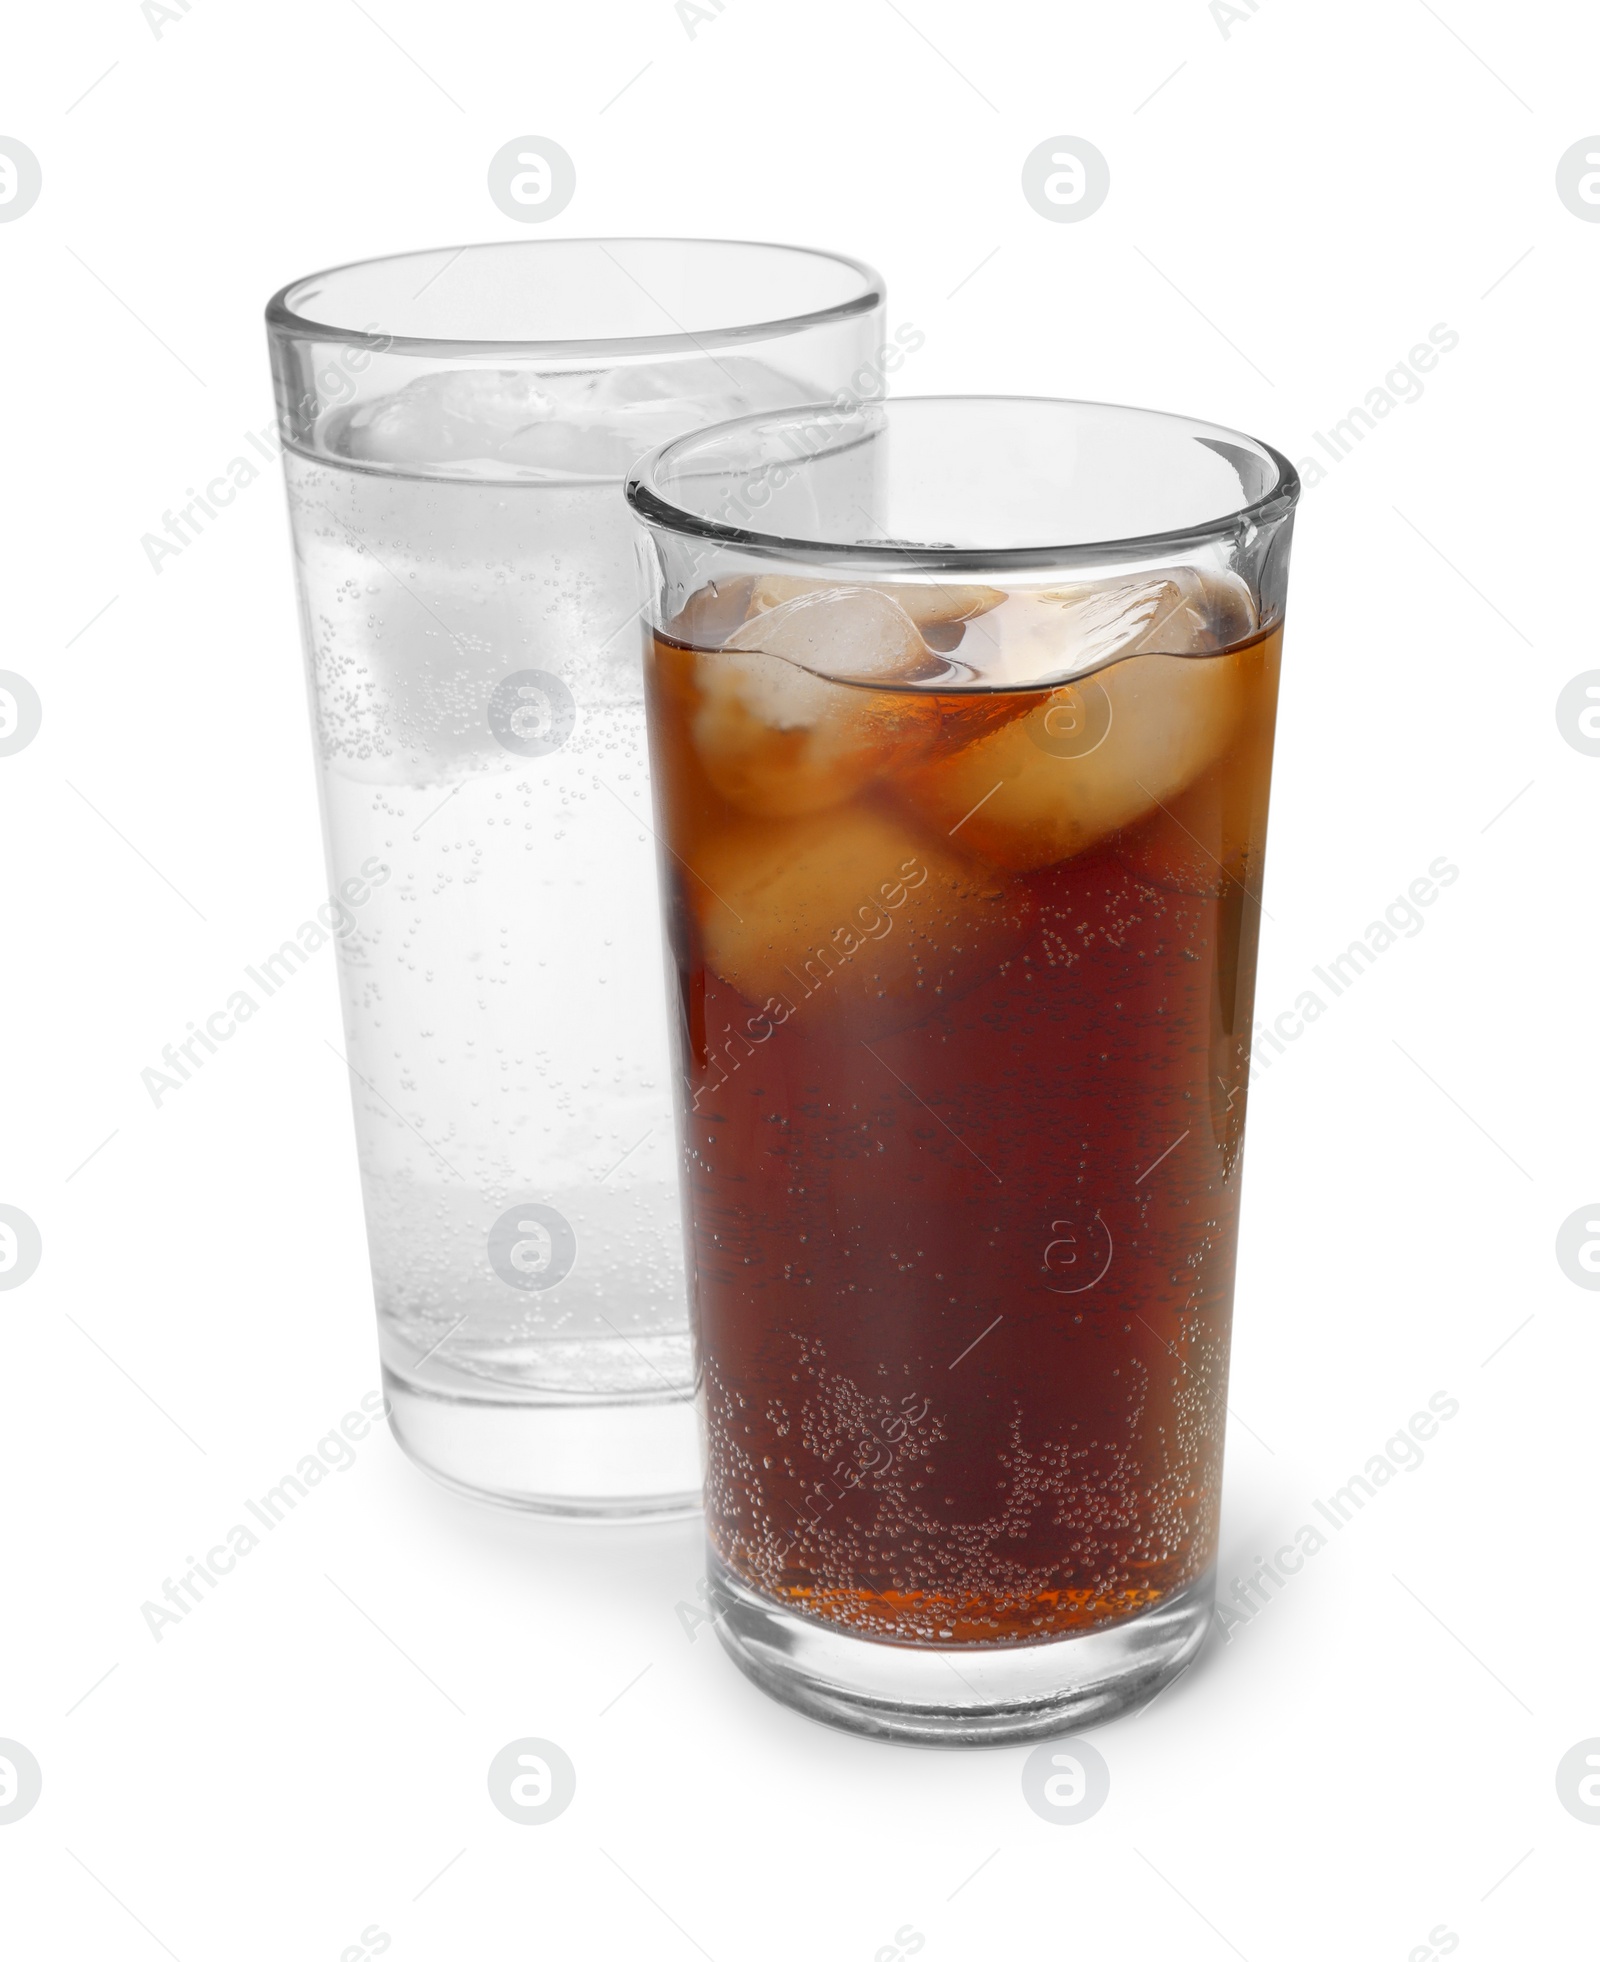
620	1460
958	1696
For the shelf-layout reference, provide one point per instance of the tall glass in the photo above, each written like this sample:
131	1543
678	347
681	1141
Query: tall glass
457	424
962	719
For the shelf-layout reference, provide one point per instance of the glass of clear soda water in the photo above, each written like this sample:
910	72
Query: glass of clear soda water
457	425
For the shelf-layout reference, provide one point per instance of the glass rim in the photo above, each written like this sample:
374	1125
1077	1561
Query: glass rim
656	510
284	320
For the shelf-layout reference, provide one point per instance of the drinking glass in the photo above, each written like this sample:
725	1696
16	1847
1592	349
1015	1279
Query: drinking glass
456	427
962	718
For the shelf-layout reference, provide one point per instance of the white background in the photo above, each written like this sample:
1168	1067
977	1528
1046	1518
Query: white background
1294	203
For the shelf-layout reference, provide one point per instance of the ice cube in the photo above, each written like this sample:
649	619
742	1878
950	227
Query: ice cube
1210	836
1217	613
851	633
777	733
1051	633
711	612
940	611
1092	757
854	907
556	423
448	419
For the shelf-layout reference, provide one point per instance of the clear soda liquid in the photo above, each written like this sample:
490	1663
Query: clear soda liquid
501	982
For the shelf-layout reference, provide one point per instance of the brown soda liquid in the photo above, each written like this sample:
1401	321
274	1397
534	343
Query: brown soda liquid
962	1104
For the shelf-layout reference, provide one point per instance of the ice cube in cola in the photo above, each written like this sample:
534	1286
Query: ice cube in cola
962	899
